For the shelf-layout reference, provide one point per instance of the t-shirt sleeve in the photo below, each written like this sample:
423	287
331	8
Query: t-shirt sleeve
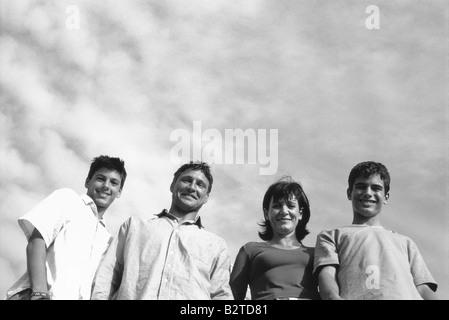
325	251
418	267
50	215
240	275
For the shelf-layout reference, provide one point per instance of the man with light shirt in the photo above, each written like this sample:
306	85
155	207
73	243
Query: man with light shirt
170	256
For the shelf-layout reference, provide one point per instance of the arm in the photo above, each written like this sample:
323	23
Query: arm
36	252
327	282
108	276
219	278
426	293
424	282
240	275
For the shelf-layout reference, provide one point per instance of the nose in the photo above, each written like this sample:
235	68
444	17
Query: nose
367	191
191	187
106	185
284	209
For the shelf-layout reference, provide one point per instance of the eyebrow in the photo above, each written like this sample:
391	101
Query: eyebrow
358	184
193	178
286	201
103	176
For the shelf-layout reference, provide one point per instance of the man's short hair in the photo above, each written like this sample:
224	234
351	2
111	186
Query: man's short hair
195	165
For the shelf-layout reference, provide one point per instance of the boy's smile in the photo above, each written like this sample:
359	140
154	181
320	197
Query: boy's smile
104	187
367	197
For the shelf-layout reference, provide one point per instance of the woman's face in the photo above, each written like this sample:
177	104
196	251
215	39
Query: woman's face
284	215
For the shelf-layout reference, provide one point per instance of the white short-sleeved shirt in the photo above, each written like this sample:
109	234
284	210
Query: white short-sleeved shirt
76	240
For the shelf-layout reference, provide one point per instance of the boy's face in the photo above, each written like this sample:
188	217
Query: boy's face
284	215
190	191
368	196
104	187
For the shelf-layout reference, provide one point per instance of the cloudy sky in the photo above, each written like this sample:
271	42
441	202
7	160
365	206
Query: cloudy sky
337	85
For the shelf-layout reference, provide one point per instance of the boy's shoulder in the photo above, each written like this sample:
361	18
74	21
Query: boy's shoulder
65	196
64	192
400	235
353	229
339	229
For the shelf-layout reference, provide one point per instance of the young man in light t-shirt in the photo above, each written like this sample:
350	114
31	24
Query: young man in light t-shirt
67	236
363	260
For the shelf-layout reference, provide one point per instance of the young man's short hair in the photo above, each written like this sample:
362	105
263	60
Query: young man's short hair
109	163
367	169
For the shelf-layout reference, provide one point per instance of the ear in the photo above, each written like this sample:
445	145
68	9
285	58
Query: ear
387	196
348	193
207	198
119	193
171	187
86	182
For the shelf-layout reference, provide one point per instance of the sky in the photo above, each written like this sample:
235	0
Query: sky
319	86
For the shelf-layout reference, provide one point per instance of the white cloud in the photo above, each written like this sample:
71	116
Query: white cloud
134	72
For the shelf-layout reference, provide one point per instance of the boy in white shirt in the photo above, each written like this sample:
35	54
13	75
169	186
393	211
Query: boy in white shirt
67	236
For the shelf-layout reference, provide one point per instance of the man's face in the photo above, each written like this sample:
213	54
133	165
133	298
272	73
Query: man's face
104	187
190	191
368	196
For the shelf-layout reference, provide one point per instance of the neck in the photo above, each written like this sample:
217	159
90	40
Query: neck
100	212
182	215
285	241
373	221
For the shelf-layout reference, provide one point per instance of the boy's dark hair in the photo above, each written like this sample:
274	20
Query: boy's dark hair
284	189
367	169
109	163
195	165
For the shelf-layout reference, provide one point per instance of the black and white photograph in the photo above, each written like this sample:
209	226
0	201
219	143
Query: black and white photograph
224	149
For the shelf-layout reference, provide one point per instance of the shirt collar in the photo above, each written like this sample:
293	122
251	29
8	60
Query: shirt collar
167	214
89	202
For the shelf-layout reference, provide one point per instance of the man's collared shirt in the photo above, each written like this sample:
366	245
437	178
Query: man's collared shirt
75	238
161	259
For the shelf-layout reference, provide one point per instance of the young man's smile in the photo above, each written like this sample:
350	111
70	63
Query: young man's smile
104	187
368	196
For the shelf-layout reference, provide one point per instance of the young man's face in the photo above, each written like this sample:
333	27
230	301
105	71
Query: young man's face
190	191
104	187
284	215
368	196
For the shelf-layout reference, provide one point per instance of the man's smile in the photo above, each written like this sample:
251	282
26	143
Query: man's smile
190	195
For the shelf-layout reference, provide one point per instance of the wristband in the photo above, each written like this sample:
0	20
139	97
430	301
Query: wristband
42	295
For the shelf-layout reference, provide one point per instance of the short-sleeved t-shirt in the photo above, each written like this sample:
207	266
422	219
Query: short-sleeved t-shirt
373	263
273	273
